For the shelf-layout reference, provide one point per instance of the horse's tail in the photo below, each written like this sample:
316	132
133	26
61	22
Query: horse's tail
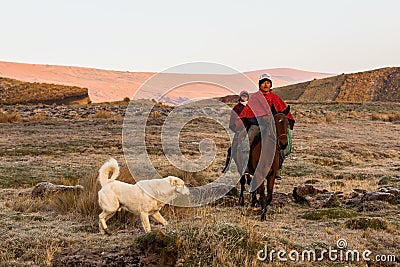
110	166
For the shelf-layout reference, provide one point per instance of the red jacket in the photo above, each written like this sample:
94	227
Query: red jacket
259	105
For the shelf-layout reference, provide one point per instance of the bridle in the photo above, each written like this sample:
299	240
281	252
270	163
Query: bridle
284	134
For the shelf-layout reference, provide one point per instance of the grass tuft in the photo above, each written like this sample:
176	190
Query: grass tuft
103	114
6	117
333	213
365	223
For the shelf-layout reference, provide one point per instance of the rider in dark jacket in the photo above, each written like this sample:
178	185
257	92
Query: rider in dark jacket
242	102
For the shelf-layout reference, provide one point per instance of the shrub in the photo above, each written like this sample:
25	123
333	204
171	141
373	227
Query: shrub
6	117
365	223
103	114
330	119
392	117
376	117
38	117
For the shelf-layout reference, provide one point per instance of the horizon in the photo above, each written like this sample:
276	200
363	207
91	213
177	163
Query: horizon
245	71
139	71
335	37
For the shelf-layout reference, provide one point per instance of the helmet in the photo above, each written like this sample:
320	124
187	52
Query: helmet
264	77
244	93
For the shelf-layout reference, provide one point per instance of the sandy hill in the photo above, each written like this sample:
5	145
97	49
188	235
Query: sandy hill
107	85
375	85
285	76
18	92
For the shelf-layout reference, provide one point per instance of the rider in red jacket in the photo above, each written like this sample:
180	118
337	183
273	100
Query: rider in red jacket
259	105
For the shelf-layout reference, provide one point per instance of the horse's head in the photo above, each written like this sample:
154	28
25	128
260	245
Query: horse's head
281	123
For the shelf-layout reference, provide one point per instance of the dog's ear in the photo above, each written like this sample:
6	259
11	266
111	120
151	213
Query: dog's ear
173	180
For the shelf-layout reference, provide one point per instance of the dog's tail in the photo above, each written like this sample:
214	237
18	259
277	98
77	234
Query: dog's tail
110	166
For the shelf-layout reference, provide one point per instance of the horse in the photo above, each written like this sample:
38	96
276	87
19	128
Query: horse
281	124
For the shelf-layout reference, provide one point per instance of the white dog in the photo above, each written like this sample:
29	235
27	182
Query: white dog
116	195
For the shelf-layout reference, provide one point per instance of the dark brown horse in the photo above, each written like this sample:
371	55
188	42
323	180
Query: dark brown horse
281	124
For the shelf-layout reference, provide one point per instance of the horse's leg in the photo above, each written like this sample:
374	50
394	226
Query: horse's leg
271	177
242	183
270	185
261	191
268	198
248	178
254	200
270	188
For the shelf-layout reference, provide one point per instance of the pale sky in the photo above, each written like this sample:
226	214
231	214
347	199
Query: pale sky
326	36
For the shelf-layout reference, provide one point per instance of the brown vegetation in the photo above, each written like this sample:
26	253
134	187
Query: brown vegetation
6	117
103	114
392	117
18	92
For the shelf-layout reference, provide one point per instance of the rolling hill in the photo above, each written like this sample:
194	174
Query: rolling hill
108	85
59	84
18	92
375	85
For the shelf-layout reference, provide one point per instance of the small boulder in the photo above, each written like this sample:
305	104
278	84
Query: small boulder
380	196
46	188
324	200
392	190
300	192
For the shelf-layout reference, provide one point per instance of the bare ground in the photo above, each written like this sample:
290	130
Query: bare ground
350	150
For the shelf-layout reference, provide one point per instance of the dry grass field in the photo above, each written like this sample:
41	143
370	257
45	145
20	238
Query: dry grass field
337	147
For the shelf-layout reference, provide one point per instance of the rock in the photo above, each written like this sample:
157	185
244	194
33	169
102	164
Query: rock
360	191
353	203
331	201
380	196
392	190
325	200
47	188
369	206
300	192
353	195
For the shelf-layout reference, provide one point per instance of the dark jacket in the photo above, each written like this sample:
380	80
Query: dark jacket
235	115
